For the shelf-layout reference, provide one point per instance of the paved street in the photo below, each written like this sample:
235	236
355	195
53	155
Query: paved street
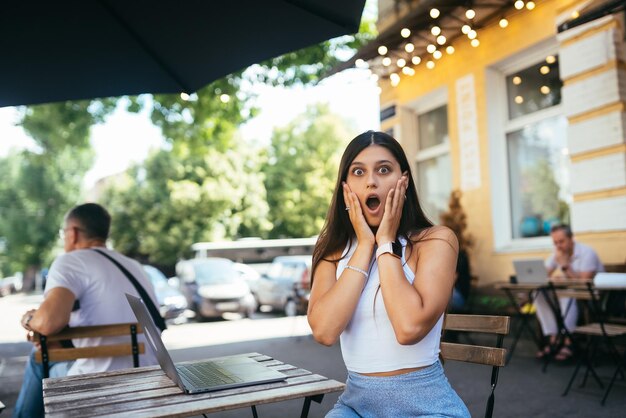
523	390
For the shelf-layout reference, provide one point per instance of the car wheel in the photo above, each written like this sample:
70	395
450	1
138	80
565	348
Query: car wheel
291	309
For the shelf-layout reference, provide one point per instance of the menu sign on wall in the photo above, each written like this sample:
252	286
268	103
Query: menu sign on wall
468	133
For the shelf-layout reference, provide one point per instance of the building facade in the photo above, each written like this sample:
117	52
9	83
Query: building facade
521	108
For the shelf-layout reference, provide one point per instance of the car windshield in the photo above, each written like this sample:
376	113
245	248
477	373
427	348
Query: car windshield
215	272
157	278
283	270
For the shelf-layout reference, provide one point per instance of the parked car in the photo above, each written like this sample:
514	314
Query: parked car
213	287
10	285
286	285
172	303
249	275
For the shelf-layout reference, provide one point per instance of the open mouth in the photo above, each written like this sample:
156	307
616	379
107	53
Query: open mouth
372	202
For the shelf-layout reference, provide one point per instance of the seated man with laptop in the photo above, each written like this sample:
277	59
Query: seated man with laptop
571	260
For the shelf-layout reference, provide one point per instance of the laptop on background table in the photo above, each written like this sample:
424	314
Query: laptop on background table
204	375
531	271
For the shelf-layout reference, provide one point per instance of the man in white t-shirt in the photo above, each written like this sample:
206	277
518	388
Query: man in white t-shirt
571	260
83	288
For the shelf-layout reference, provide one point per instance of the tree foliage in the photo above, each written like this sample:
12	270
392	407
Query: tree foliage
301	169
39	186
177	199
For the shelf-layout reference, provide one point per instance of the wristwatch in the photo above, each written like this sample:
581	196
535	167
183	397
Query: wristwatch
394	248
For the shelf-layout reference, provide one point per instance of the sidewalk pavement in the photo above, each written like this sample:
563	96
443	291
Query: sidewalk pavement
522	391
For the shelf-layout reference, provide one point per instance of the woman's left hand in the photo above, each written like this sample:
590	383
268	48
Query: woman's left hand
388	229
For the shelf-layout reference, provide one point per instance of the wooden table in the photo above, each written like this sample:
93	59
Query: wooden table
148	392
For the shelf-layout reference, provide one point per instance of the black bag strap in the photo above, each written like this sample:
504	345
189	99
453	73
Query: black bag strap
154	312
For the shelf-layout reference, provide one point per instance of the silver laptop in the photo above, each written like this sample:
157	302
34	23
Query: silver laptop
531	271
206	375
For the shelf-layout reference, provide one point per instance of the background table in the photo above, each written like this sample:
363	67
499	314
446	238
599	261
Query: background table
148	392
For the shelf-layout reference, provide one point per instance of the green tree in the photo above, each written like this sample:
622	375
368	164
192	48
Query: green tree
176	199
39	186
301	169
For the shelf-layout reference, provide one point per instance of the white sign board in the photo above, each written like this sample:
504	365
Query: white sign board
468	133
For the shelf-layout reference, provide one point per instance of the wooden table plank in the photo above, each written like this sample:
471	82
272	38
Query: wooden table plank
148	391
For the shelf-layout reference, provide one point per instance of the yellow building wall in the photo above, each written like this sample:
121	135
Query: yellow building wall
525	29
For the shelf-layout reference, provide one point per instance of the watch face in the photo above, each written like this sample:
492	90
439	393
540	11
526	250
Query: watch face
396	248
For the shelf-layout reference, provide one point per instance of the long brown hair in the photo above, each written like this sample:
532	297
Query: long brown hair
338	229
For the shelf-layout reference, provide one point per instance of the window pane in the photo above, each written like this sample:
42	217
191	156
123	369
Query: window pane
534	88
538	177
433	127
434	184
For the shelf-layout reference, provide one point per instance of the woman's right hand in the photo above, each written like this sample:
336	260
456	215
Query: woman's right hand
364	234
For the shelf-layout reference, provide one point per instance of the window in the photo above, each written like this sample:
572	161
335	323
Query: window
434	172
531	152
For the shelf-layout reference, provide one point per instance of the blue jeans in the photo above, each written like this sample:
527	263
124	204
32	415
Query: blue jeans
30	400
422	393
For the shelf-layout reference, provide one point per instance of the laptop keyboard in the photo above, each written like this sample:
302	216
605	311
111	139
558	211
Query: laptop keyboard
206	374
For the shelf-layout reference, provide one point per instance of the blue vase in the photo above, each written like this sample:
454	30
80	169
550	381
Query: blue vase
548	223
531	226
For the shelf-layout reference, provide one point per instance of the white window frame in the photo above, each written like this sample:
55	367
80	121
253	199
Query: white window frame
499	126
423	104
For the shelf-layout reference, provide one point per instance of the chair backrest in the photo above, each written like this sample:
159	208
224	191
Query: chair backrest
479	354
132	348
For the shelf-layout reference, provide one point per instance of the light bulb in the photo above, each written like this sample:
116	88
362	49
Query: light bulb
437	55
550	59
382	50
434	13
430	65
475	42
408	71
405	33
544	69
441	39
435	30
545	89
470	14
225	98
401	62
386	61
517	80
450	49
472	34
530	5
431	48
503	22
465	29
416	60
519	4
519	99
409	47
184	96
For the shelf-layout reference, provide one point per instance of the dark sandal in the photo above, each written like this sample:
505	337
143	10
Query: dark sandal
564	354
542	353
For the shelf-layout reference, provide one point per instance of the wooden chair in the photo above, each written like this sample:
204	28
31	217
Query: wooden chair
603	330
132	348
491	356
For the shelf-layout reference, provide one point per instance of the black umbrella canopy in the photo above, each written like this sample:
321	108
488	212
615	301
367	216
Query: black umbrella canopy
82	49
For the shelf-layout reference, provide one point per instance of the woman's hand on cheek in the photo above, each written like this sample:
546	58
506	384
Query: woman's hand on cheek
362	230
388	229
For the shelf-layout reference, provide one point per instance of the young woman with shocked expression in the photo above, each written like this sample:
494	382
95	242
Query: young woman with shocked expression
382	278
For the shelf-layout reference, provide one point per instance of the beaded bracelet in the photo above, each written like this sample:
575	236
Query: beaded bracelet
363	272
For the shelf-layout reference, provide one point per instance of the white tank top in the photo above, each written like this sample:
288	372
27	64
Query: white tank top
368	344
